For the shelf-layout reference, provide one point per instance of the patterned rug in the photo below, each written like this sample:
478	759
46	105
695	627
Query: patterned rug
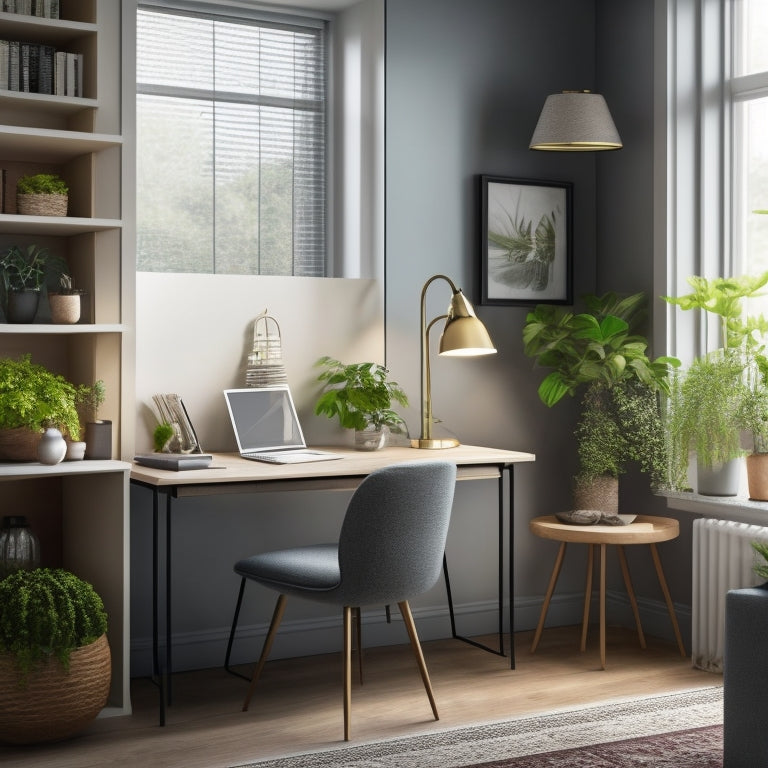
678	730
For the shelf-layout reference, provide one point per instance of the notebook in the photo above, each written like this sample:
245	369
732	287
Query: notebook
267	428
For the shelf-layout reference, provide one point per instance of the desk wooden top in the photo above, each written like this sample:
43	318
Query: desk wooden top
644	530
473	462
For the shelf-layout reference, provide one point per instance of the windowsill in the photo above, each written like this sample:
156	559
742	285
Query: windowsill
738	508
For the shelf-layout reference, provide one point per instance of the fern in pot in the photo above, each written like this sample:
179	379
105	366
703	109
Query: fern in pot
710	400
599	354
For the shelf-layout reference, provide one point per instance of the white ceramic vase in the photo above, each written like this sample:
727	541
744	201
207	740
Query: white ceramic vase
52	447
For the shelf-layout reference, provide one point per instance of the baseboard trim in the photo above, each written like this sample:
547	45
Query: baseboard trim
305	637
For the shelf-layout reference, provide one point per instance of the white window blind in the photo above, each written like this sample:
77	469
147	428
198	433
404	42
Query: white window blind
231	124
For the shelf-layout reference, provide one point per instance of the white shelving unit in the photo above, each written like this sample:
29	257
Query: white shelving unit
79	510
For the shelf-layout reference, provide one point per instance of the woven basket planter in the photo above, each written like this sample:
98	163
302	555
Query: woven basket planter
41	205
54	704
19	444
601	494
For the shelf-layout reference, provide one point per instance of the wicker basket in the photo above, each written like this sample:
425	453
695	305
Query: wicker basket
41	205
19	444
54	704
601	494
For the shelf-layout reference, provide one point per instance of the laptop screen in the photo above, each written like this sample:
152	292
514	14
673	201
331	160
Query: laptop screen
264	419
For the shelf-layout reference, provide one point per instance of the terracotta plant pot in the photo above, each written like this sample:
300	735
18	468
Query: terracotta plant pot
757	476
54	704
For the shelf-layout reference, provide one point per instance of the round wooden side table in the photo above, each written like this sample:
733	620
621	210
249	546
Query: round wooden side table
643	530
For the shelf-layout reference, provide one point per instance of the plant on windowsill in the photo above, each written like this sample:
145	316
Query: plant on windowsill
361	395
31	398
710	402
55	665
42	194
600	352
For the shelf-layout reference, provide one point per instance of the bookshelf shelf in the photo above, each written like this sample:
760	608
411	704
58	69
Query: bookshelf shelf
81	507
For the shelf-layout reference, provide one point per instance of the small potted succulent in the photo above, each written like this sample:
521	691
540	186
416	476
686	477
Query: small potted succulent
42	194
53	653
361	395
65	302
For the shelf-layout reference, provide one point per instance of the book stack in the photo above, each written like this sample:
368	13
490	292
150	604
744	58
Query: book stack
36	68
45	9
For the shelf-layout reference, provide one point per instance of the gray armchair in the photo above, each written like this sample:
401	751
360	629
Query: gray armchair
390	550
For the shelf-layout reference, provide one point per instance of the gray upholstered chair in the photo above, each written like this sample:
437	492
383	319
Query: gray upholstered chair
390	549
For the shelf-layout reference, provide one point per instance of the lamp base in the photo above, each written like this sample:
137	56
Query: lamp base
446	442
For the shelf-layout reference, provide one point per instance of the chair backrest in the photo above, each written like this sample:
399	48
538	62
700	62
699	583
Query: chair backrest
393	536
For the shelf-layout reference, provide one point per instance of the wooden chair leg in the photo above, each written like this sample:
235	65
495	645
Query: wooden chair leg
347	671
587	595
405	610
668	598
631	593
548	596
359	641
277	617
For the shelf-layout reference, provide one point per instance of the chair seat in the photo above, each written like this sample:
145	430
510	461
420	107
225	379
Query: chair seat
313	568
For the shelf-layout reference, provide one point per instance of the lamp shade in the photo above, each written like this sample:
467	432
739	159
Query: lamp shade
575	121
464	335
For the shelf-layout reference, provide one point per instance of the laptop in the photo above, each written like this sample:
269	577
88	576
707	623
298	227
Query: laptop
267	428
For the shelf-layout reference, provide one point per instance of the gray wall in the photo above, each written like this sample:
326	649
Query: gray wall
465	84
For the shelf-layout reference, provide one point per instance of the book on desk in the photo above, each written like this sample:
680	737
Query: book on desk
177	462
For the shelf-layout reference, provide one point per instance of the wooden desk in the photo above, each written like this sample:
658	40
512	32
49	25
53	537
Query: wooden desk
644	530
229	473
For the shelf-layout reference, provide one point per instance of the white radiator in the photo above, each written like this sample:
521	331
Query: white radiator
723	558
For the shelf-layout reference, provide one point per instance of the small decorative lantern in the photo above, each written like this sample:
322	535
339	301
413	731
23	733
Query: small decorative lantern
265	362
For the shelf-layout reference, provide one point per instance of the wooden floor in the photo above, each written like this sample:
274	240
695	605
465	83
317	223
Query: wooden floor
297	705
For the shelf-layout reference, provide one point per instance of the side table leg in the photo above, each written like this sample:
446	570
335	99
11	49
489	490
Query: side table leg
631	593
668	598
548	596
603	548
587	595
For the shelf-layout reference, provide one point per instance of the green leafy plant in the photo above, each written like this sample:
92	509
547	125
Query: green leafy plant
33	397
88	400
600	352
724	390
29	268
161	435
359	394
67	286
42	184
761	569
47	612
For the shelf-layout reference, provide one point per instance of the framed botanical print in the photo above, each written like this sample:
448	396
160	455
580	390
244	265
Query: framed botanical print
527	250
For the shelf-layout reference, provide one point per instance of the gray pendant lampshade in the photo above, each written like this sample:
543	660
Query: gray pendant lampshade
575	121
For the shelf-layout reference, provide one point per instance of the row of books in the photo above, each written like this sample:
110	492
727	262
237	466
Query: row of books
44	9
36	68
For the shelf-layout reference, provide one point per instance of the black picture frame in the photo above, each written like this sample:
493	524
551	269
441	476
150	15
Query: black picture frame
515	269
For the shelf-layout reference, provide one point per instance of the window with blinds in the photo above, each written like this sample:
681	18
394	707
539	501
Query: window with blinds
231	166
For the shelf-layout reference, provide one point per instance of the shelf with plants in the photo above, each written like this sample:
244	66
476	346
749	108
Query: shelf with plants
78	507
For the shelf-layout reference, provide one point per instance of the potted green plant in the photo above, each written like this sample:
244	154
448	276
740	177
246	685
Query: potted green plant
710	400
98	432
31	398
361	395
55	665
24	271
65	302
600	352
753	417
42	194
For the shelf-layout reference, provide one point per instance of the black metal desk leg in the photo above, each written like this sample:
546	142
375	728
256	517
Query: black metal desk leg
168	630
510	558
155	603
